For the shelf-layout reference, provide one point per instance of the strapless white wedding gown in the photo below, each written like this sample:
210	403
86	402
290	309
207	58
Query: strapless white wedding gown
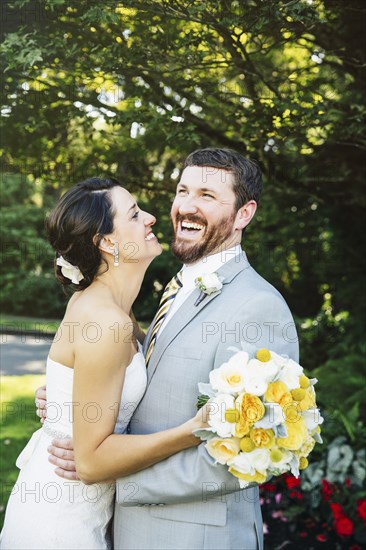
45	511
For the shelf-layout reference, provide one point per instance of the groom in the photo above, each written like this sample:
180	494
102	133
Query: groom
187	501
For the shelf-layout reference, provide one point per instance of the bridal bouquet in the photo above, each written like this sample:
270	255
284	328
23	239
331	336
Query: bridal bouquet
263	418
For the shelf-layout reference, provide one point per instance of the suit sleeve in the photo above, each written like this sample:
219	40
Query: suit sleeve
192	475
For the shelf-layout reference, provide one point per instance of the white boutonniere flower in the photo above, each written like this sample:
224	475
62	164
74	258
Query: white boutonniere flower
70	271
208	283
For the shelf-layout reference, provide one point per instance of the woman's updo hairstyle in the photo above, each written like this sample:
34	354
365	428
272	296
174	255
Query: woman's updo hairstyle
82	216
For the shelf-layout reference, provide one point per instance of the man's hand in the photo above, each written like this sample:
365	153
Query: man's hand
41	403
62	455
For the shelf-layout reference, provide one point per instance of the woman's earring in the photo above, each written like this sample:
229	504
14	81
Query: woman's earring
116	255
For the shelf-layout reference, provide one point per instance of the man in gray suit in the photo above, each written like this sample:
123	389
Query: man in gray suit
187	501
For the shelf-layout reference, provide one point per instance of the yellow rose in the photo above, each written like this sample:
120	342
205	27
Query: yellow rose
304	398
278	392
262	438
308	402
254	478
223	450
242	428
296	435
251	408
307	446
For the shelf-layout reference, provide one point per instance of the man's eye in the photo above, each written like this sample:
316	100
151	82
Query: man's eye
181	191
207	195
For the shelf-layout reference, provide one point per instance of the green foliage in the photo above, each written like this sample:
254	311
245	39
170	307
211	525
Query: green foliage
129	88
29	286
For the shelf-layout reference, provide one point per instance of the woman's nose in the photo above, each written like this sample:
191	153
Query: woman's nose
149	219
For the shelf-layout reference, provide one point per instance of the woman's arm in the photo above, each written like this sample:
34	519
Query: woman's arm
99	372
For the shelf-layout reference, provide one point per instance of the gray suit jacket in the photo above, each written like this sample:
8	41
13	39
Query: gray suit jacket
187	501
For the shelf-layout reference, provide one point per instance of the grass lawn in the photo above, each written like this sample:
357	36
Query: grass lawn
16	322
18	422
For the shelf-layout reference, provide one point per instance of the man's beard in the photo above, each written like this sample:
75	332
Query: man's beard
215	235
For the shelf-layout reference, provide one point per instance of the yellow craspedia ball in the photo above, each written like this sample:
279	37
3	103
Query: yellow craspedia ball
232	415
304	381
246	445
303	463
263	355
298	394
276	455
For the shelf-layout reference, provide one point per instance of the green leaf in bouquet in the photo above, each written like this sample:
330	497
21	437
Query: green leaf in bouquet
201	401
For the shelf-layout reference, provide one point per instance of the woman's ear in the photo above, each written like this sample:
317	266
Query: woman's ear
105	244
244	215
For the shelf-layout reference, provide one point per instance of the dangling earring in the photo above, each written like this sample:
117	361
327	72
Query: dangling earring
116	255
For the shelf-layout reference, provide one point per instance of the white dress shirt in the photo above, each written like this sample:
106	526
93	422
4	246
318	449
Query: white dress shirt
190	272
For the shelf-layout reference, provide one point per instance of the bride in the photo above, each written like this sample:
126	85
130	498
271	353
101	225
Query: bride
95	376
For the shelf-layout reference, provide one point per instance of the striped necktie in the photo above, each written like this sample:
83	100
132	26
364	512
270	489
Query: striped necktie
166	301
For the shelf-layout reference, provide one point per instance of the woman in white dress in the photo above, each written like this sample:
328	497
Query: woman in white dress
95	376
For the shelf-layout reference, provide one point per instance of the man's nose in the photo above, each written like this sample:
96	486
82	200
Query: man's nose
188	206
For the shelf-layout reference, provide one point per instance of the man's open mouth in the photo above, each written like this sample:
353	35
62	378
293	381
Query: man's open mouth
188	227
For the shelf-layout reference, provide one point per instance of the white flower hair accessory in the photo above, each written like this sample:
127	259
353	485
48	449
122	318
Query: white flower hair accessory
70	271
208	283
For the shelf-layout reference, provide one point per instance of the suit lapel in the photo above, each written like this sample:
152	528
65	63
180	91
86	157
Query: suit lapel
188	311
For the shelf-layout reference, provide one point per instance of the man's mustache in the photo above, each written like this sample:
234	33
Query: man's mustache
191	218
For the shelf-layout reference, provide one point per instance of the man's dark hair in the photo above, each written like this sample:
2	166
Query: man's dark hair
247	175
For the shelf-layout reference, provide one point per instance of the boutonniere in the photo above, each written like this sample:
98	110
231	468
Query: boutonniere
208	283
70	271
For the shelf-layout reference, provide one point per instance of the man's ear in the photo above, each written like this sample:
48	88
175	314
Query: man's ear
245	215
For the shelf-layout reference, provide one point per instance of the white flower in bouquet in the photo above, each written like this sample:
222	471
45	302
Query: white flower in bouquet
223	449
230	377
219	417
289	372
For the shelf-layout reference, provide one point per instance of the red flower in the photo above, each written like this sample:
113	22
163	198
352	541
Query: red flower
361	508
270	487
327	489
297	495
292	482
337	510
321	538
348	482
344	526
355	547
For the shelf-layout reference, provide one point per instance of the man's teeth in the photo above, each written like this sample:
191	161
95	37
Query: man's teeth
190	225
149	237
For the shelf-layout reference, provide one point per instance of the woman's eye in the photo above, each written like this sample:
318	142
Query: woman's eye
135	216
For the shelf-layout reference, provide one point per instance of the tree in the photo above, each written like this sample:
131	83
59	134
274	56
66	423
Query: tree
130	87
